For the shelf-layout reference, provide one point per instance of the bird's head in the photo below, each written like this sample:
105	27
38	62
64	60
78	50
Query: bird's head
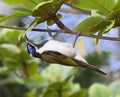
33	48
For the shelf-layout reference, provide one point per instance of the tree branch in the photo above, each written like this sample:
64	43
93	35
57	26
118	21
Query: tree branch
59	93
62	26
25	71
63	31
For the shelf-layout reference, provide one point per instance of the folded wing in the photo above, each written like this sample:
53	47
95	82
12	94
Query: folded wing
56	57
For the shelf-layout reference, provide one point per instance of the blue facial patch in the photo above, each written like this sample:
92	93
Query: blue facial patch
30	48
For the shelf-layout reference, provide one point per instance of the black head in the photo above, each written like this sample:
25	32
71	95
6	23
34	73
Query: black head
32	50
32	47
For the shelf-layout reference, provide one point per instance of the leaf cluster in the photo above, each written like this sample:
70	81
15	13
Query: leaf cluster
100	90
107	12
104	16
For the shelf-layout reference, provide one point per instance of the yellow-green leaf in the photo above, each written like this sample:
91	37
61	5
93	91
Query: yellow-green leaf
86	25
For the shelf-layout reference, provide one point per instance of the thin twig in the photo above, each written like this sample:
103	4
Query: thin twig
25	70
59	93
22	28
62	31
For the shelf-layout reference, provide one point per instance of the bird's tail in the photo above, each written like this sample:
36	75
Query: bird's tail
89	66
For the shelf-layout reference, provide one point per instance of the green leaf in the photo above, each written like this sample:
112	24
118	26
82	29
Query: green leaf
103	6
47	9
117	6
50	22
59	16
22	56
32	68
81	93
43	9
50	94
32	25
60	84
99	90
12	36
114	15
100	26
10	63
56	85
7	80
30	82
23	10
9	49
25	3
13	2
114	88
58	74
105	29
4	70
87	25
13	16
75	87
118	94
95	13
109	27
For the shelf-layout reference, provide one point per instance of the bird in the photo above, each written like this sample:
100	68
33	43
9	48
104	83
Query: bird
63	53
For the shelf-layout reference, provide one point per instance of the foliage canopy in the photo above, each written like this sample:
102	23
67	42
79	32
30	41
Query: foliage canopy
16	66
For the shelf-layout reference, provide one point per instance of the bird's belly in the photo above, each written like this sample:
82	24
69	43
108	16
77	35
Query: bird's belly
63	50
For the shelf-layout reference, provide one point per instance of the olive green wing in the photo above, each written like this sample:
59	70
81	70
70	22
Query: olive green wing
56	57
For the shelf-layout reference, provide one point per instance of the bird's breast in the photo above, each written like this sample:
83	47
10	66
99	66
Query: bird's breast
60	47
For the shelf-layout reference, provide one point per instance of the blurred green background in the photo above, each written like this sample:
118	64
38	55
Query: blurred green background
25	76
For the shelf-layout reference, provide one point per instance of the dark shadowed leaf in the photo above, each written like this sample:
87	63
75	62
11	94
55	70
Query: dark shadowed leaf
47	9
81	93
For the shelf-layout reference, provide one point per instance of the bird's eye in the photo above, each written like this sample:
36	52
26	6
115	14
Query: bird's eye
30	48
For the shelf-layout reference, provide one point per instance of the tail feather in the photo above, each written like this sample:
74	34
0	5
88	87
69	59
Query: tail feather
91	67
